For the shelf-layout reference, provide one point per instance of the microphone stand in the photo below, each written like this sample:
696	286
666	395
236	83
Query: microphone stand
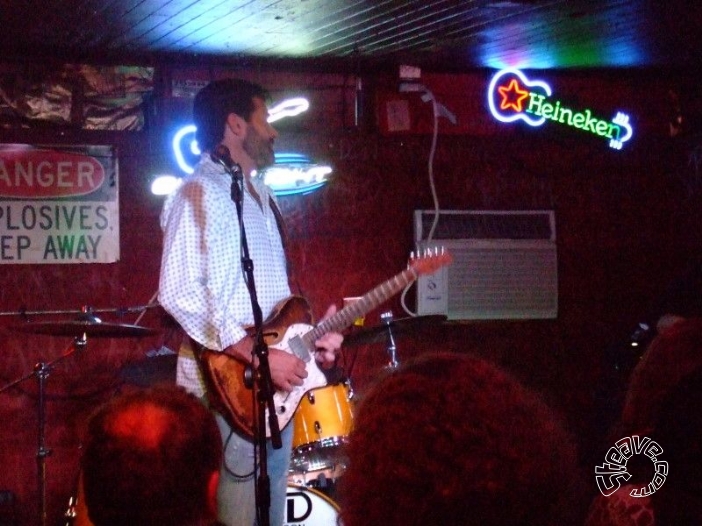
263	382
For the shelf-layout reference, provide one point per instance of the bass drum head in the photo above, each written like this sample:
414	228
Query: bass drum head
309	507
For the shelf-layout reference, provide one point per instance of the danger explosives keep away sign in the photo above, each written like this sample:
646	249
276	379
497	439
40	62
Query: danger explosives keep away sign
58	204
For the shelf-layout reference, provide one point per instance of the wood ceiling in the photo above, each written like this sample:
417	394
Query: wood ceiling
437	34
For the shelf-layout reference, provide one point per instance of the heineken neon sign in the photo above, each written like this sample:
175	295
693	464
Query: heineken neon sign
512	96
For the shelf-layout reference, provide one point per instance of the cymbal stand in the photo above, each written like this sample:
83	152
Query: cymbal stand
41	372
386	318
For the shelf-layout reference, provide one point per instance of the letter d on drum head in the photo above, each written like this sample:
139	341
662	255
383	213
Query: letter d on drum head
308	507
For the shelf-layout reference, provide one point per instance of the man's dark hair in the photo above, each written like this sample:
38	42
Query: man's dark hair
216	101
148	457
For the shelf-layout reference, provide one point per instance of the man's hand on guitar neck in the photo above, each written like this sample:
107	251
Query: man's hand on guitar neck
329	344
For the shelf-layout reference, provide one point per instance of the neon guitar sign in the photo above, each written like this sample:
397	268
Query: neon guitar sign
512	96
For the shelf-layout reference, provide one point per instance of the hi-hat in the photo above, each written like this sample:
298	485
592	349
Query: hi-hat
90	328
400	326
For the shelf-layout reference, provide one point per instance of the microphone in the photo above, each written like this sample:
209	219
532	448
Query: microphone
221	155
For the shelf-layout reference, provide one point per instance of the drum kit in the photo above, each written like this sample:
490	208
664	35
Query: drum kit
321	426
86	325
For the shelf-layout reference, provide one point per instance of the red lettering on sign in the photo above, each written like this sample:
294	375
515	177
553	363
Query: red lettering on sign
41	174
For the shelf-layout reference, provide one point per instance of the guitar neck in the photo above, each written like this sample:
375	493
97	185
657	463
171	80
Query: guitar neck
369	301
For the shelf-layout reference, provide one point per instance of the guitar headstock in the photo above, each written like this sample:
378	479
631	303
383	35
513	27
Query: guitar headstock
430	261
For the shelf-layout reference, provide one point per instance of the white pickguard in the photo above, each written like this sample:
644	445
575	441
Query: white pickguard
286	403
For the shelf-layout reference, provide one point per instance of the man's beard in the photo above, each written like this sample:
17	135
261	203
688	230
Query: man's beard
259	149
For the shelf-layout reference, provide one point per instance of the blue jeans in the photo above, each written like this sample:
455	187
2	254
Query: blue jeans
236	494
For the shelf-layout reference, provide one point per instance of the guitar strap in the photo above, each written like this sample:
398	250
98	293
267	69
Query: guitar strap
280	221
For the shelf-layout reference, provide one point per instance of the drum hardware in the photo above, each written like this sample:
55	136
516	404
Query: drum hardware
25	314
90	325
86	325
150	371
72	511
386	318
76	513
388	330
321	482
399	327
41	373
324	480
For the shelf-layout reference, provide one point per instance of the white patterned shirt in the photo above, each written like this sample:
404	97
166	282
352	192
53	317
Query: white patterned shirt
202	284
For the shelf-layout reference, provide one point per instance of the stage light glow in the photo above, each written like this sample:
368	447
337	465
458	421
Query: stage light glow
294	173
288	108
186	134
165	184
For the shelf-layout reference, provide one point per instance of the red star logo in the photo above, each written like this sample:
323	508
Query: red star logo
512	96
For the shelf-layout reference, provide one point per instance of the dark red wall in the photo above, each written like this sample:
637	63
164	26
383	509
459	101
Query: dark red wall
626	225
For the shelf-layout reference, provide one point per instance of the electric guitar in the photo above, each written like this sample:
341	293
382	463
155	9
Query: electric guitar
289	328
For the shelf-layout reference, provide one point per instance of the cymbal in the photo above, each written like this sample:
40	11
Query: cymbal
91	328
400	326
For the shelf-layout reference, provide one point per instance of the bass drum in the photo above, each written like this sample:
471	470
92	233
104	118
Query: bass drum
321	426
309	507
304	507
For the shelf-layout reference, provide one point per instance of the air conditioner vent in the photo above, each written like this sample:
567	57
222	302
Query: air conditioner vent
505	265
487	225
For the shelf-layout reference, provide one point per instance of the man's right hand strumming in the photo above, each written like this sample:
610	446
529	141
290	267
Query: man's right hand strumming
287	370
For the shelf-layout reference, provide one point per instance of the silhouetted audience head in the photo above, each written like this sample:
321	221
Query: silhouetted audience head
679	432
683	297
152	457
671	356
453	440
662	403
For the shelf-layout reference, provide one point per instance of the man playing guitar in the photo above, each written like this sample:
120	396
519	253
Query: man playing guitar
203	286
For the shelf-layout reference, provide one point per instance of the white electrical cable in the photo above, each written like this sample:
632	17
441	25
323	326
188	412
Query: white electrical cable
428	96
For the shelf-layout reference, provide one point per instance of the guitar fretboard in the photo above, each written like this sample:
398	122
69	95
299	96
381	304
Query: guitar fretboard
346	316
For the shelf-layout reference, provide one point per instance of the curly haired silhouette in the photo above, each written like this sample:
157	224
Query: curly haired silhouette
453	440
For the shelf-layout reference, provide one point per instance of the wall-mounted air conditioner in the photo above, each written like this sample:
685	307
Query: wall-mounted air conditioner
504	264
